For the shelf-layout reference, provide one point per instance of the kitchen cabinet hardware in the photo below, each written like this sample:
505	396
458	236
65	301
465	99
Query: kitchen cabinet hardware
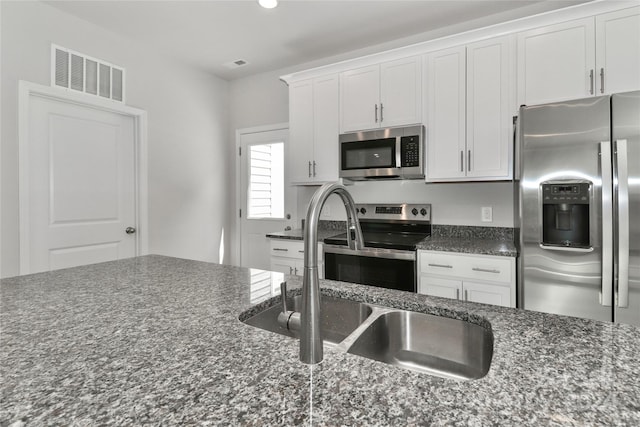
461	160
376	113
601	80
591	81
440	265
381	109
281	249
309	169
486	270
466	295
314	168
469	161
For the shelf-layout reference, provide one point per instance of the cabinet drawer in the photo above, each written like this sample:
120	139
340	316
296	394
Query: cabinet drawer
290	249
478	267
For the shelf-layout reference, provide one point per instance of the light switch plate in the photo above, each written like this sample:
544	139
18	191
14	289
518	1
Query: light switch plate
487	214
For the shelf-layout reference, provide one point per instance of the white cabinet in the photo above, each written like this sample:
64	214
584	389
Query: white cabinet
385	95
618	51
313	130
470	108
581	58
477	278
287	256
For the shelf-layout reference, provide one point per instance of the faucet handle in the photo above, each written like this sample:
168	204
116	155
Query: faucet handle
283	293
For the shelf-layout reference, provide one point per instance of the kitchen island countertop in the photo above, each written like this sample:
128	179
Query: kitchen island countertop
157	340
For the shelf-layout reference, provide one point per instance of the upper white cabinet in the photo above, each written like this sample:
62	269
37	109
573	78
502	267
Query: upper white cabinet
581	58
470	106
313	130
618	51
384	95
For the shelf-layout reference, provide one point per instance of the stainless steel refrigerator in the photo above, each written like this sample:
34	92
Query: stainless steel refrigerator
579	208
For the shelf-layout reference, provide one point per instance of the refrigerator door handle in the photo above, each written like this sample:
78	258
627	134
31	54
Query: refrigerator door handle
622	205
606	292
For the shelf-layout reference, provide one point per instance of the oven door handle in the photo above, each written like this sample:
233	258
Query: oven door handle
371	252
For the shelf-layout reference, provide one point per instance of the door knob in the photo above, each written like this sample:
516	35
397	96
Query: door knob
130	230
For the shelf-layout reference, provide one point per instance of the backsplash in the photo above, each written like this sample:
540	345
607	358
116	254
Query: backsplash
472	232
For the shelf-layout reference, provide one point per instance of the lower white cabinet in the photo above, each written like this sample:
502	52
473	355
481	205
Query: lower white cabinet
477	278
287	256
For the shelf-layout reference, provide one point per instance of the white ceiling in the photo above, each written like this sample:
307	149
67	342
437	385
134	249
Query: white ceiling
208	34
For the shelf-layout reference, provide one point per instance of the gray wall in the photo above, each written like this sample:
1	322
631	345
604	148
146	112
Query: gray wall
187	129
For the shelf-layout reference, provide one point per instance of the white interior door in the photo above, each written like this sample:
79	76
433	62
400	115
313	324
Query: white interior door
81	185
266	198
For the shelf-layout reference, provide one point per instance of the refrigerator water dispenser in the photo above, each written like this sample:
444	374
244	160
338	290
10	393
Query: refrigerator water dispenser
565	214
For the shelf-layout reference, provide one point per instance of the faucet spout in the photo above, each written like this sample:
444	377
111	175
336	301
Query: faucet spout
311	351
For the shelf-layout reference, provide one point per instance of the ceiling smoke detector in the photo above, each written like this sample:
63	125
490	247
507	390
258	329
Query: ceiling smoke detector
236	64
268	4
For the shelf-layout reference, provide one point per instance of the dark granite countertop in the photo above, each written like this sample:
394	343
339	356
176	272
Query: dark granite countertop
298	234
467	245
157	340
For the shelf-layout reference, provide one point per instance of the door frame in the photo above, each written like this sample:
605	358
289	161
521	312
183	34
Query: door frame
236	216
28	89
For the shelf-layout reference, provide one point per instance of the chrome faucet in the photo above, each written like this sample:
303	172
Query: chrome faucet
311	351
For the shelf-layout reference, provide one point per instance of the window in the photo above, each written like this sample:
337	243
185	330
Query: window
266	181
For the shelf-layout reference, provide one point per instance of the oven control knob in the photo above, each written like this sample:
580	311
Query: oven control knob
423	211
414	211
363	211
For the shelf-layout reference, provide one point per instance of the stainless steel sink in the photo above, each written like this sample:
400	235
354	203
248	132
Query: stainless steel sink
340	317
431	344
425	343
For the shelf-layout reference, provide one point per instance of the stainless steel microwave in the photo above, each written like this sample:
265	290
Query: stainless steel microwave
393	153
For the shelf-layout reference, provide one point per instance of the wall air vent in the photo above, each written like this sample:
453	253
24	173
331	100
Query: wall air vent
82	73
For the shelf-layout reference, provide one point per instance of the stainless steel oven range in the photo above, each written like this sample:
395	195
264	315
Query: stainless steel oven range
391	234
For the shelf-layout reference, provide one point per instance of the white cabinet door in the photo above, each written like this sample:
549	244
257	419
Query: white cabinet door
490	108
618	51
300	131
446	114
359	96
439	287
401	92
325	128
487	293
556	62
283	265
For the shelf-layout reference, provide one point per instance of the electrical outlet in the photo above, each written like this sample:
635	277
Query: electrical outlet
487	214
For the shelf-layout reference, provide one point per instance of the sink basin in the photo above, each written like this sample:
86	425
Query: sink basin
425	343
340	317
435	345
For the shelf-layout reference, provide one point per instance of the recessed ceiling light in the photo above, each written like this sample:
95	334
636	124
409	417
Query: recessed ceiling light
268	4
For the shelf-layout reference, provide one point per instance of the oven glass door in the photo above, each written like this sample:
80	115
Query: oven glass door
371	154
382	272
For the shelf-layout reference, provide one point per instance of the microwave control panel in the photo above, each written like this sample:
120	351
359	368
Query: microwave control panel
410	150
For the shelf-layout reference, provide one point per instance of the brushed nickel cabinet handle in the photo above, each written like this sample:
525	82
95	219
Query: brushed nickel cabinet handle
376	113
591	82
440	265
314	168
601	80
281	249
461	161
469	160
486	270
457	293
309	169
381	108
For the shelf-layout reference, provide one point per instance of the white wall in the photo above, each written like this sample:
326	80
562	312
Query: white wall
187	129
